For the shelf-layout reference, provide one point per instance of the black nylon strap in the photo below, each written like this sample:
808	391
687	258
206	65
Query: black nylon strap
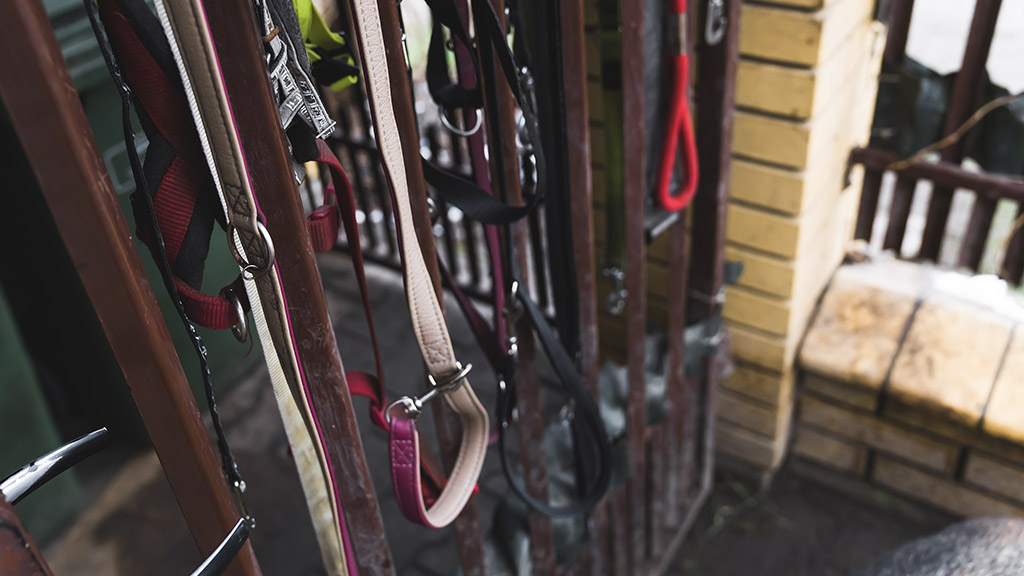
592	449
475	202
546	38
446	93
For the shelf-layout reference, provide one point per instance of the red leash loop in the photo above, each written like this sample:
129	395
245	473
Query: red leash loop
680	124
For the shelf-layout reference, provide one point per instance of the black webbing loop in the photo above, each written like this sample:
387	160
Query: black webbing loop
473	201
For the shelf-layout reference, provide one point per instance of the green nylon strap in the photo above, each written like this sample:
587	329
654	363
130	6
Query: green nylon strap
610	35
317	35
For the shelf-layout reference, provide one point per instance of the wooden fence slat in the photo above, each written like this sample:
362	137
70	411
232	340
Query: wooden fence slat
1011	268
899	211
977	232
966	92
868	204
47	115
900	12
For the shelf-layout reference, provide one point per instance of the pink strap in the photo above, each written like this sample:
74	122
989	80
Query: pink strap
680	126
363	384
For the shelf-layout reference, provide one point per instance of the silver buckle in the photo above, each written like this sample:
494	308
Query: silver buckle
412	406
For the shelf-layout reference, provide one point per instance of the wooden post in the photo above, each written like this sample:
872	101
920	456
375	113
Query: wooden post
48	117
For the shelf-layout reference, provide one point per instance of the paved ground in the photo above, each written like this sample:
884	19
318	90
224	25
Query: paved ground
798	528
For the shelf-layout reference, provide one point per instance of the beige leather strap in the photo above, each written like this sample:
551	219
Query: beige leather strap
184	23
428	319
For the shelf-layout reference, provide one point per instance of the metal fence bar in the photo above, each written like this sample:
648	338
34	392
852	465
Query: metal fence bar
234	30
577	120
632	15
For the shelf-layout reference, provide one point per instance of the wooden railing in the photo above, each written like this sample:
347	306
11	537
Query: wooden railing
964	248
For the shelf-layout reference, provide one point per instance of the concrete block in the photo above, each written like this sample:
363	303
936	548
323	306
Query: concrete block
800	92
771	388
1004	415
856	334
840	392
767	421
749	447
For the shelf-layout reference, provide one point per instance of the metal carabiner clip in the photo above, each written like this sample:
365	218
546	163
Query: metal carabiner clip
714	22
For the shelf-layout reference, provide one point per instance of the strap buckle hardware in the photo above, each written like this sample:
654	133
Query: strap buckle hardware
715	21
412	406
616	302
238	489
241	328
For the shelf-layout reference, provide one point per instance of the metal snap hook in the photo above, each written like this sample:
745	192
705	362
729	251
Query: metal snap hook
412	406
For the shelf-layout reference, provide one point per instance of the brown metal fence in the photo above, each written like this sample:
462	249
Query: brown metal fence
639	527
947	176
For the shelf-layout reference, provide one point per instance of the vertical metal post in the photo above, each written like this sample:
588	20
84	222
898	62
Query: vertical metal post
636	257
501	131
234	29
47	114
577	121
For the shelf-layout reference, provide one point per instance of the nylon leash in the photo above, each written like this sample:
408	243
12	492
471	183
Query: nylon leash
680	124
447	376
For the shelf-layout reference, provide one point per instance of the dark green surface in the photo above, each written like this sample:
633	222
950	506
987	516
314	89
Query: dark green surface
28	432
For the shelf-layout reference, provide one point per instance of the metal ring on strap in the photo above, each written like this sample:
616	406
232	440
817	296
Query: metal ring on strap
458	131
250	271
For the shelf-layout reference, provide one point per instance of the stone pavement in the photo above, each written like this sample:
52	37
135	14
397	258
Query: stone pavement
134	527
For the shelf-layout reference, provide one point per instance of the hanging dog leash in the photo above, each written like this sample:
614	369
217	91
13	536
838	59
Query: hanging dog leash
511	297
680	125
447	376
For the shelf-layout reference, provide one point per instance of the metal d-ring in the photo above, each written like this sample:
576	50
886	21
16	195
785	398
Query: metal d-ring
458	131
251	271
241	329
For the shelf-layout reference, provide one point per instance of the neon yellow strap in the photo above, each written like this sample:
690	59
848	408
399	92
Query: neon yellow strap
316	34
